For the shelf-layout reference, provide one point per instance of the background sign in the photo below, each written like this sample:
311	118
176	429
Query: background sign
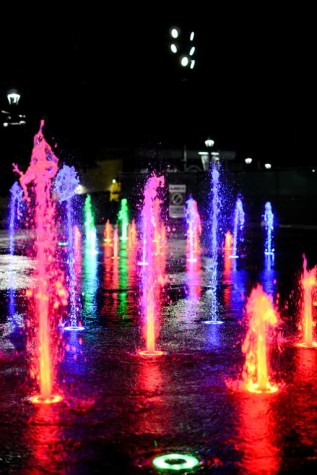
177	199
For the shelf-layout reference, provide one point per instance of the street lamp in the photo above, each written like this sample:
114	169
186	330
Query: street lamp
13	115
183	46
209	144
13	96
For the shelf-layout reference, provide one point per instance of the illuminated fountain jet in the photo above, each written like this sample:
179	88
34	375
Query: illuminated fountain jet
228	241
108	233
269	228
309	282
151	275
150	217
49	295
215	211
238	225
262	316
66	182
90	228
15	211
193	229
123	219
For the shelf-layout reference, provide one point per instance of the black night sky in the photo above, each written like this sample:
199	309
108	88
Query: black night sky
103	76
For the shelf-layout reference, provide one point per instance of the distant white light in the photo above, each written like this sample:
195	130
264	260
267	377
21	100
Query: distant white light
313	170
185	50
202	153
209	143
173	48
174	32
184	61
248	160
114	180
80	189
13	97
6	124
268	166
4	112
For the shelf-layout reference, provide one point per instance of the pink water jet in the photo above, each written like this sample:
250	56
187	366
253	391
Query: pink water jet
108	233
159	235
150	215
152	273
49	295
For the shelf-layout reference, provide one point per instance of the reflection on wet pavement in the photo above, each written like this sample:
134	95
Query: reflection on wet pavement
119	409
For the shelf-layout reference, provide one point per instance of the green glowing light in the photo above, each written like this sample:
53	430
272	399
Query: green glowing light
123	218
89	226
175	462
89	219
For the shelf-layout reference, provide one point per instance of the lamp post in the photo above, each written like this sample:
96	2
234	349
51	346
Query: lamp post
13	115
209	144
182	45
13	96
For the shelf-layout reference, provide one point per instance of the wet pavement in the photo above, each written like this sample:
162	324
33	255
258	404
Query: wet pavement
120	409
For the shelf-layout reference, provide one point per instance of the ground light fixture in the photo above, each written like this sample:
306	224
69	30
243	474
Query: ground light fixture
175	462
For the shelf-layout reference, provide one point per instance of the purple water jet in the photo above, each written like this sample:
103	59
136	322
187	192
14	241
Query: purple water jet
193	229
66	182
238	224
268	218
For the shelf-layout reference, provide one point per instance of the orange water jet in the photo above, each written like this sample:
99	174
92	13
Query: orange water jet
308	281
262	316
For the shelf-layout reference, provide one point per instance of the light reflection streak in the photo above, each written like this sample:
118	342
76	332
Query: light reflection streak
256	439
193	286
